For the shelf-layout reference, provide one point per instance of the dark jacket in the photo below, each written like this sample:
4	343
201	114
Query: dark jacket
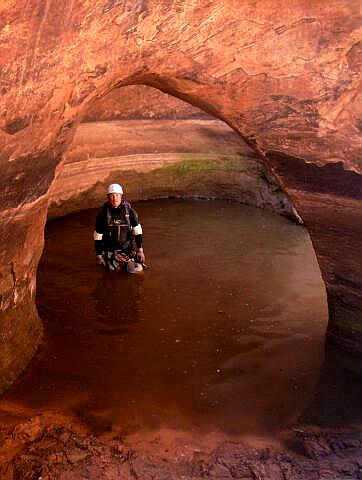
114	229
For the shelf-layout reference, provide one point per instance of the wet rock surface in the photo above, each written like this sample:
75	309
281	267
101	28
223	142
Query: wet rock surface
285	78
54	451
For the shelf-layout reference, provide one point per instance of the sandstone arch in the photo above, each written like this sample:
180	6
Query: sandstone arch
285	77
159	146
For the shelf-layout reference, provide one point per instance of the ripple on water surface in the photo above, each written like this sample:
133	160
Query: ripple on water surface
224	332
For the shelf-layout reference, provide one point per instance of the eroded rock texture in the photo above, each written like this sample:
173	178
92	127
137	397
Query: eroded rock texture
35	449
138	102
284	75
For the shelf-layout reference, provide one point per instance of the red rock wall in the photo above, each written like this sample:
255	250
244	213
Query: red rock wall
163	158
285	75
140	102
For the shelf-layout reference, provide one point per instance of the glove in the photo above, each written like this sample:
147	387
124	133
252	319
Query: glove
100	260
140	256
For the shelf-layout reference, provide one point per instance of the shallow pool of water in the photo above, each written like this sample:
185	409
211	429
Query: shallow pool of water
224	332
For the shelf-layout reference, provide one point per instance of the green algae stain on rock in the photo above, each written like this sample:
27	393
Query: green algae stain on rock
200	164
216	175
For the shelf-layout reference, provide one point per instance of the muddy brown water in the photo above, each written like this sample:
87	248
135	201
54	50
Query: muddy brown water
223	333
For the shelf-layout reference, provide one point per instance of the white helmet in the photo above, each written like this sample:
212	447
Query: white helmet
114	188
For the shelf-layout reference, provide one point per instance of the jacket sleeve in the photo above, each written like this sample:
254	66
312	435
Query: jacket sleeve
136	227
98	233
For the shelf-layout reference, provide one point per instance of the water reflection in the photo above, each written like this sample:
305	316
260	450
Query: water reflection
117	298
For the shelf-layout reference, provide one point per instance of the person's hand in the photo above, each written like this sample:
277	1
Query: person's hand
100	260
140	256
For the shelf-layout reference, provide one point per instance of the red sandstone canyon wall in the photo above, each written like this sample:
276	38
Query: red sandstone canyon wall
141	102
286	76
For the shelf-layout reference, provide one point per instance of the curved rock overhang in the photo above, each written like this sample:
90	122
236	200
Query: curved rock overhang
286	79
158	146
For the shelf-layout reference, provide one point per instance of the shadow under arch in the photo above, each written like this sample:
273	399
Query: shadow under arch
336	400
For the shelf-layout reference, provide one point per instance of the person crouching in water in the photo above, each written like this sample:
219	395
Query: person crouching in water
118	235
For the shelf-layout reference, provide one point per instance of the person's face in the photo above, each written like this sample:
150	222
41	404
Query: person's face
115	199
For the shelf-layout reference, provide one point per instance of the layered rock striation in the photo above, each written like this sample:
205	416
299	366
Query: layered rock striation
286	77
163	158
140	102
